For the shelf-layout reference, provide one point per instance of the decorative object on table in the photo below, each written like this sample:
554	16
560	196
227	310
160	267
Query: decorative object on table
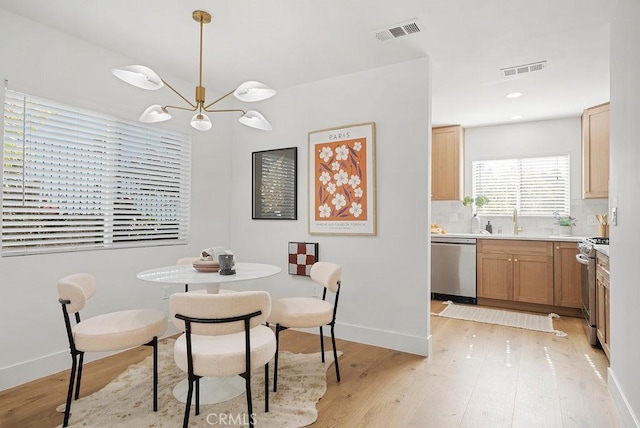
209	260
114	331
489	227
603	225
226	264
308	312
565	224
145	78
515	319
342	190
274	184
476	203
125	400
302	255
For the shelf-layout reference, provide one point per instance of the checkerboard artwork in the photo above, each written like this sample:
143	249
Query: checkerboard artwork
302	255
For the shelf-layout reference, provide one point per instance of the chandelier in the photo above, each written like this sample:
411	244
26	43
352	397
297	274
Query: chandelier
145	78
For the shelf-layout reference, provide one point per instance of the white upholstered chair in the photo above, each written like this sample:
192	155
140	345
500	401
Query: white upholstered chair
307	312
112	331
223	336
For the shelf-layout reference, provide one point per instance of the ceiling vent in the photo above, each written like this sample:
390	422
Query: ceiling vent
523	69
398	30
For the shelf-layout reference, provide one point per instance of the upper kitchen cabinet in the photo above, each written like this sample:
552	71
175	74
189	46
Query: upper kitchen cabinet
595	152
447	163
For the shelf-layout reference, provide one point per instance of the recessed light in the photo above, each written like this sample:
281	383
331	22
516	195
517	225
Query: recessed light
516	117
514	94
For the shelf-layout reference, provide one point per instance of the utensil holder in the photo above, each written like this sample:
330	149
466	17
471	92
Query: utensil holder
603	230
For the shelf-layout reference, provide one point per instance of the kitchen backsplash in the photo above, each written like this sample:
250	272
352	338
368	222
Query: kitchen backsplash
456	218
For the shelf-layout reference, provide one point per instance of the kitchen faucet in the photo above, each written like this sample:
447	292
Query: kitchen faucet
516	229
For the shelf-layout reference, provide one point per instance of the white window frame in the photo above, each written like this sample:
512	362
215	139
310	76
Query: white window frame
76	180
537	186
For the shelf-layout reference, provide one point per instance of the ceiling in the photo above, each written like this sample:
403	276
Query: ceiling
286	43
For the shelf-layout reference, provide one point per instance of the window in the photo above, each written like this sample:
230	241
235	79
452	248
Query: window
536	186
76	180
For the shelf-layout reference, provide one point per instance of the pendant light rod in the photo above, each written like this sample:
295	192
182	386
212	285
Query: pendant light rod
145	78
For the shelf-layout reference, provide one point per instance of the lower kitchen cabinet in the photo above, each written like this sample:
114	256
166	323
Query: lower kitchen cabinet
520	271
602	301
567	291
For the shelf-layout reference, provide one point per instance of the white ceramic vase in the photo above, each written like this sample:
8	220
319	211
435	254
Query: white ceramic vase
565	230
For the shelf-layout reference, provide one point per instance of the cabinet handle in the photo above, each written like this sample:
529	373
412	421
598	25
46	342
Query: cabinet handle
508	260
516	260
557	248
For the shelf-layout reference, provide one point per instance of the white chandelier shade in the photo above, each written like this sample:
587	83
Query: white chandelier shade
201	122
253	119
249	91
154	114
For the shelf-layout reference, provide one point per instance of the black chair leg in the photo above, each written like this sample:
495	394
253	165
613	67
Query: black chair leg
187	409
275	363
198	395
321	344
247	380
79	378
266	388
335	353
155	374
67	409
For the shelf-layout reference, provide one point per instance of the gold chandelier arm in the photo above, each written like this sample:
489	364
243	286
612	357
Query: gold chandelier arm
223	111
181	96
193	108
219	99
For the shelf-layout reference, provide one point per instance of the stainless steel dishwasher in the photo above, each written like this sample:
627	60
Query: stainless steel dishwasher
453	269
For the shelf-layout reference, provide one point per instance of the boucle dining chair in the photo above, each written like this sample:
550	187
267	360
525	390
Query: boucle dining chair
309	312
112	331
223	336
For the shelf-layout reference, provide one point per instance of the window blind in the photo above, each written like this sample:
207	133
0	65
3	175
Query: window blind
536	186
76	180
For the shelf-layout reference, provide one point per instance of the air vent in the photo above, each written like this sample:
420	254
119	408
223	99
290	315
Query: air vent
522	69
398	30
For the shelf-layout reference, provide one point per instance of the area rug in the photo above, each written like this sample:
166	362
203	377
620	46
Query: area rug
127	400
542	323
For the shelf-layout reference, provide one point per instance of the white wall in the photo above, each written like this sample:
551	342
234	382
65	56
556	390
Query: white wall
624	373
527	139
44	62
381	303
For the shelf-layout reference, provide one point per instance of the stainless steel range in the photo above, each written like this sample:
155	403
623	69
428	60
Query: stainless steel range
587	258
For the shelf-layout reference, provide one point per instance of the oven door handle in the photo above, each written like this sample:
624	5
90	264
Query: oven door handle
582	259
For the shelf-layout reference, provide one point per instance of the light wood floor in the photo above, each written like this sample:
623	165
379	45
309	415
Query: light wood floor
479	375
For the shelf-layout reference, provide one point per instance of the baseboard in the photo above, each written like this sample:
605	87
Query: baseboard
47	365
627	415
383	338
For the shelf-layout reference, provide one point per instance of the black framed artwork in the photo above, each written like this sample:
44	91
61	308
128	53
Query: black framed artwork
274	184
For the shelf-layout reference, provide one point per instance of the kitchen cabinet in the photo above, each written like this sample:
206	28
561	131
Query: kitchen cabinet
567	291
520	271
602	302
595	152
447	150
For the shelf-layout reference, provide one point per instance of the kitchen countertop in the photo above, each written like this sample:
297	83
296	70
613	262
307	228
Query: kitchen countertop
604	249
522	237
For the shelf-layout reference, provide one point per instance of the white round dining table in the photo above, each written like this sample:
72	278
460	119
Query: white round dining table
187	274
219	389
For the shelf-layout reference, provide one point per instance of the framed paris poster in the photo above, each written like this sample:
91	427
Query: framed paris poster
342	180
